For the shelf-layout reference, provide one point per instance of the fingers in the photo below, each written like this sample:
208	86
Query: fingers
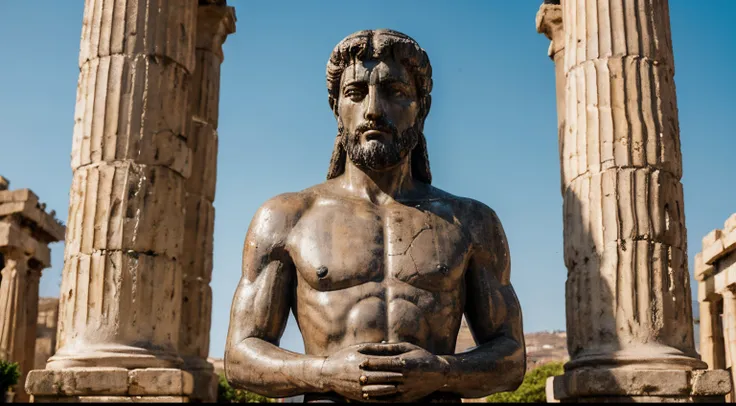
375	391
373	378
386	349
393	364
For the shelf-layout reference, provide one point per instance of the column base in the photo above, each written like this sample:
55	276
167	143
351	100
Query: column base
114	356
205	380
633	386
109	385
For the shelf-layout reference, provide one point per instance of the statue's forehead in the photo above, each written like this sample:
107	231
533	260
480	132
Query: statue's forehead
375	70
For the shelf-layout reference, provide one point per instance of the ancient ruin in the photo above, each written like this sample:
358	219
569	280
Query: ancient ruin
26	230
143	158
715	271
133	319
629	316
46	323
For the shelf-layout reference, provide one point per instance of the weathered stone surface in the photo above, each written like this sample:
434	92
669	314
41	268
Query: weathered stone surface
13	236
46	228
214	23
160	381
46	323
203	144
627	294
78	381
621	382
121	300
155	28
109	381
132	109
111	399
126	206
25	232
119	297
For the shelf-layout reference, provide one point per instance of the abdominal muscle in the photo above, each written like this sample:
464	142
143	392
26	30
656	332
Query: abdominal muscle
333	320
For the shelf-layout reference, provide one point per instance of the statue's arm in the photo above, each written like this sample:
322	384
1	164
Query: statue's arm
260	309
492	310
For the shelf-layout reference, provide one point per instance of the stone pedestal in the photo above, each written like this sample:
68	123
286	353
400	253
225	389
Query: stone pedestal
121	290
629	317
72	385
214	23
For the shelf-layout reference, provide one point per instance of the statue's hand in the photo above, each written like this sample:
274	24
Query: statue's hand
345	372
422	372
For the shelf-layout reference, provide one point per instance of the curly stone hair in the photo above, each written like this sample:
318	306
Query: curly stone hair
380	45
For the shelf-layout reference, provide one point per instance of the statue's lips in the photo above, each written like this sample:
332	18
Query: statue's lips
375	135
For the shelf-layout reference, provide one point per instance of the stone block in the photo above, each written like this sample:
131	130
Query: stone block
160	381
18	195
730	224
702	270
712	246
78	381
85	384
711	382
110	399
583	383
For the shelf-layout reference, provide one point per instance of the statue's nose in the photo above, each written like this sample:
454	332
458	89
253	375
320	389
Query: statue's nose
373	110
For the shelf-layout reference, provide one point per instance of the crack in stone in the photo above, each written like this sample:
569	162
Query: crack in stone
414	238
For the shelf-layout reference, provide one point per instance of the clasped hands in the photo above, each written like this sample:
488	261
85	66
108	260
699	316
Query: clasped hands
384	372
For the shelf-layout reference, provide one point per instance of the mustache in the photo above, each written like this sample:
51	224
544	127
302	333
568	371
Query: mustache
382	125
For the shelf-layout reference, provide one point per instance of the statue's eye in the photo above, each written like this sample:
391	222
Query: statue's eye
397	92
355	93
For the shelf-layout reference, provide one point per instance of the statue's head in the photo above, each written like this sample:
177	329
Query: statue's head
379	84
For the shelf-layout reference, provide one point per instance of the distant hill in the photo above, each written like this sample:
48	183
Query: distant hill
541	347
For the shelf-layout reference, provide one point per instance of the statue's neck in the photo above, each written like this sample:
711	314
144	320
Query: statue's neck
379	186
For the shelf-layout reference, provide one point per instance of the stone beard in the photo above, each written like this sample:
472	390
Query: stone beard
378	155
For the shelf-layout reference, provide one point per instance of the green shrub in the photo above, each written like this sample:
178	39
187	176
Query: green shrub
9	375
226	394
532	388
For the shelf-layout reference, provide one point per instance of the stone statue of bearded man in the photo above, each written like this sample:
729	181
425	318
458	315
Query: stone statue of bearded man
377	266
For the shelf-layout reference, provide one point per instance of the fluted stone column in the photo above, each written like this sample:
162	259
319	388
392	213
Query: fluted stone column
12	306
120	304
214	23
14	314
629	317
549	23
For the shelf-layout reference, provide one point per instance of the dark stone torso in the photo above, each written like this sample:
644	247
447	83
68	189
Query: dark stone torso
372	273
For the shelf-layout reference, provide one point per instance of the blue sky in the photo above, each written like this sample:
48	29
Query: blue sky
491	131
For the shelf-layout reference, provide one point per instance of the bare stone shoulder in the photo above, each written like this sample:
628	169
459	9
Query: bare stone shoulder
484	227
275	219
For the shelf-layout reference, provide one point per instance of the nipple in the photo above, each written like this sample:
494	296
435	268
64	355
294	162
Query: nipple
321	271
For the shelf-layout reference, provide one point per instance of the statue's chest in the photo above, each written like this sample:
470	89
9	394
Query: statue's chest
338	246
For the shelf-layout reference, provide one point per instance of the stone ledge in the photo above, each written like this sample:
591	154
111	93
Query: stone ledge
110	399
657	383
720	242
88	382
